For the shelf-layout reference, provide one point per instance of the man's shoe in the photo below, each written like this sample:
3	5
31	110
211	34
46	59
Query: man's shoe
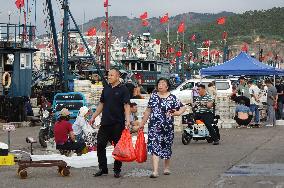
100	172
216	142
117	174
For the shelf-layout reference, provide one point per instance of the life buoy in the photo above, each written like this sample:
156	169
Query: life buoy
6	80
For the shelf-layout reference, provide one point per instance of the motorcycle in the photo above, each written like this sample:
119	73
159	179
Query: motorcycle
46	130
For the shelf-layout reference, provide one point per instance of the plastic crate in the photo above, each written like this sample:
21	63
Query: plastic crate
7	160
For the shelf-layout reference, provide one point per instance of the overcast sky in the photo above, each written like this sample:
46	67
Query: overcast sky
133	8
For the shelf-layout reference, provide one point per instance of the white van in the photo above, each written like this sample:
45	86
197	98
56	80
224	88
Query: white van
184	90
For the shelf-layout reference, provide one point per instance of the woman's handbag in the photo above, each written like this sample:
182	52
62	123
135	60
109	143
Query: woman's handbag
124	150
140	147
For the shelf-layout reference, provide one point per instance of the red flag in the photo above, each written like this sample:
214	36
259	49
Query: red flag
245	47
158	42
173	61
92	31
81	49
224	35
204	53
181	27
104	24
145	23
61	24
129	34
193	37
144	16
206	43
124	50
179	53
171	50
106	3
221	21
19	3
164	19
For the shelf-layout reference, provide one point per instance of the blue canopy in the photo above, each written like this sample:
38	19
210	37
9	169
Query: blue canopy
242	64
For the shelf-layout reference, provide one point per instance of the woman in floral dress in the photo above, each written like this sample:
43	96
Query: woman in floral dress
162	106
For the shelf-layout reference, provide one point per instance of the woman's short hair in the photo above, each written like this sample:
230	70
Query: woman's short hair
242	102
166	80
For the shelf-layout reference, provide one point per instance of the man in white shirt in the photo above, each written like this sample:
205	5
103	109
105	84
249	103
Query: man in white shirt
254	92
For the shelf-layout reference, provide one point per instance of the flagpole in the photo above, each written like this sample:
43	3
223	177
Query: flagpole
107	64
83	21
177	36
183	41
168	32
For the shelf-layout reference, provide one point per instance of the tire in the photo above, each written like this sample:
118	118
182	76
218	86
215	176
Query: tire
42	137
65	172
209	139
186	138
23	174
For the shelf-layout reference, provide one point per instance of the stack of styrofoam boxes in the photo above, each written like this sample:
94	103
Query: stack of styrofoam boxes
1	75
35	106
84	87
141	107
178	120
262	112
96	91
225	108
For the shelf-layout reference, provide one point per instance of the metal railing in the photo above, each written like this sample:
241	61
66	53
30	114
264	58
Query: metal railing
14	34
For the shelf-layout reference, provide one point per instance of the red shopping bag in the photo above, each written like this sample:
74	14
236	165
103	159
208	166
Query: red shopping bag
140	147
124	150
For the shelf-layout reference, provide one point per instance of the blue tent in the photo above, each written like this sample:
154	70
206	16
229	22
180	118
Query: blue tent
242	64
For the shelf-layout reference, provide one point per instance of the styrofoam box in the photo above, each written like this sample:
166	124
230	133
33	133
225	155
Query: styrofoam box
280	122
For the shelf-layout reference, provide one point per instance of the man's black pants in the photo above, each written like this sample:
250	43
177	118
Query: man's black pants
208	119
112	134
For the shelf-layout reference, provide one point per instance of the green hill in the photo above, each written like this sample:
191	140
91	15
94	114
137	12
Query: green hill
247	27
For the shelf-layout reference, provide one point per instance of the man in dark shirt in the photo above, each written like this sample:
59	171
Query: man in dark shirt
114	105
280	92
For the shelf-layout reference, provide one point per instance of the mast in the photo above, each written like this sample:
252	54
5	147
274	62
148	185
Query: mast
107	62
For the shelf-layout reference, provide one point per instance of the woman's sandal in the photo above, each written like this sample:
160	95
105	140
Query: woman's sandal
167	172
154	175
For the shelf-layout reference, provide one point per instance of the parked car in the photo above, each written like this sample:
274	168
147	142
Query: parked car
184	90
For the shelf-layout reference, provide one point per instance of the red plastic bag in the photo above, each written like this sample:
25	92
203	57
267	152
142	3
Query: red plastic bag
124	150
140	148
275	105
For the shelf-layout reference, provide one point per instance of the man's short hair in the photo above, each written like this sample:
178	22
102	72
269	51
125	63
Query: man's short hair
201	85
268	81
116	70
242	78
132	104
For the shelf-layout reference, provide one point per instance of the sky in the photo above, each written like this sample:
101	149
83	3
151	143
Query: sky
133	8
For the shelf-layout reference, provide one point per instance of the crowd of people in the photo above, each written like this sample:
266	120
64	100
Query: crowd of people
248	96
119	113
